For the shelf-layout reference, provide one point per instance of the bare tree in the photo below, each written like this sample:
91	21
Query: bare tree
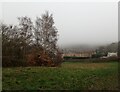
15	41
10	44
25	32
46	35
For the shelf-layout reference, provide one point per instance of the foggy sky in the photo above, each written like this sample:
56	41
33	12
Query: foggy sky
77	23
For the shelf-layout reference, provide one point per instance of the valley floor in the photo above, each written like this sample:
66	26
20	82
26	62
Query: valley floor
70	76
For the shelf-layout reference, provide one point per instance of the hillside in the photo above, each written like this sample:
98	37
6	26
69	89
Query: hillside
112	47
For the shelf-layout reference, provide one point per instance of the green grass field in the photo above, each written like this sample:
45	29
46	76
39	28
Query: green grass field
71	76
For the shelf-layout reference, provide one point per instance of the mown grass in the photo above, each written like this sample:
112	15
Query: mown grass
70	76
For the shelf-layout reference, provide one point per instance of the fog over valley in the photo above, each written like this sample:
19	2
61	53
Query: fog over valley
83	24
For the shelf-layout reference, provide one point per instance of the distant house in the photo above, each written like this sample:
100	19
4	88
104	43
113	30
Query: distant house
103	57
80	54
112	54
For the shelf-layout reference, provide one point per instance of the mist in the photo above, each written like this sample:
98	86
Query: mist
78	23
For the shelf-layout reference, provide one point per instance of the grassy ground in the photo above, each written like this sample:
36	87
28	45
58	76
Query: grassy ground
72	76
